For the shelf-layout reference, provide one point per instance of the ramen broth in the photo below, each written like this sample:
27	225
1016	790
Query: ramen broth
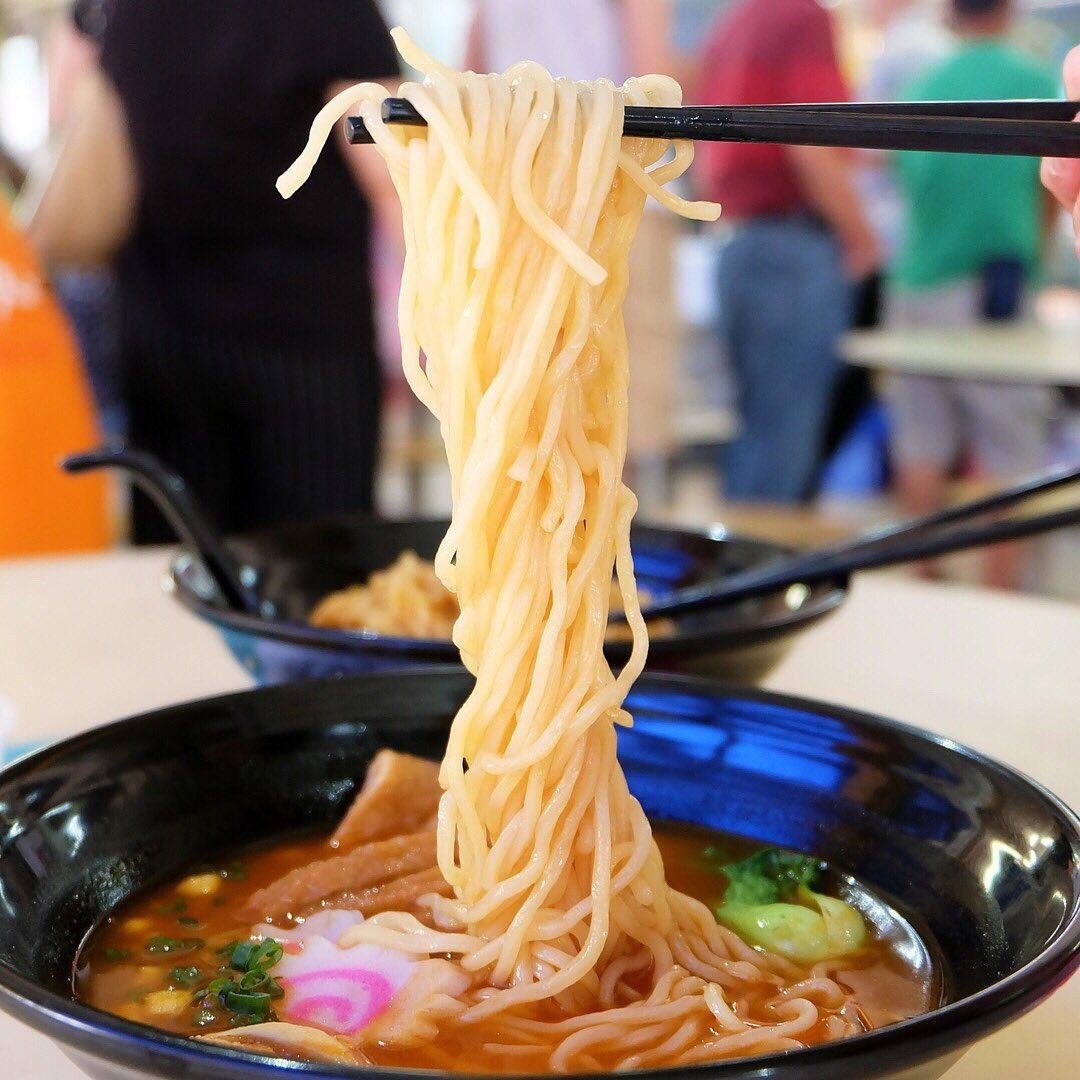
151	959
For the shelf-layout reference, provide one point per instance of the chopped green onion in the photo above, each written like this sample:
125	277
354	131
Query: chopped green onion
256	979
187	920
266	955
215	986
185	976
174	907
116	956
255	955
219	901
235	870
242	954
249	997
162	944
253	1004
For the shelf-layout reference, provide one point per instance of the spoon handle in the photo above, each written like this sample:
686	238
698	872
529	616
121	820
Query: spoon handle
174	499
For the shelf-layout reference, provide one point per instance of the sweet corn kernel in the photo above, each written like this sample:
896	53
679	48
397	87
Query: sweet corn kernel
167	1002
136	925
199	885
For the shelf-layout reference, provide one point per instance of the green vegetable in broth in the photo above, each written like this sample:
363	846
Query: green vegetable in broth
769	875
758	905
844	925
791	930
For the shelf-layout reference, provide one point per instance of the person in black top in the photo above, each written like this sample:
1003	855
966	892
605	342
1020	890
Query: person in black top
246	324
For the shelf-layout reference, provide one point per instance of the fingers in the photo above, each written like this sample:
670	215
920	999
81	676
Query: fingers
1062	179
1072	73
1062	175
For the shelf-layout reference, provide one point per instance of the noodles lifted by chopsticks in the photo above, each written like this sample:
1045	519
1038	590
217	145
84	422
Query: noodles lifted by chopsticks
520	203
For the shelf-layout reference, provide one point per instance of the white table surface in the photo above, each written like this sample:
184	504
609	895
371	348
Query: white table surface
86	640
1014	352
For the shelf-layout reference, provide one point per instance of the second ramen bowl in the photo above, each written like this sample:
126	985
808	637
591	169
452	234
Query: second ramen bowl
981	860
293	567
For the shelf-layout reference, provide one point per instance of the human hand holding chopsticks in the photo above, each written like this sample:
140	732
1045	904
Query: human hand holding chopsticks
1062	175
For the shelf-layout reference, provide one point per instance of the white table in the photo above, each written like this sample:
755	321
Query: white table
91	639
1012	352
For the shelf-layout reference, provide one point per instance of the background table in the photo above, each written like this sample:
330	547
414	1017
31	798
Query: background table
84	641
1014	352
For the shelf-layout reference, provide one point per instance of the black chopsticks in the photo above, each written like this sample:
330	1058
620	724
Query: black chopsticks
1036	128
954	529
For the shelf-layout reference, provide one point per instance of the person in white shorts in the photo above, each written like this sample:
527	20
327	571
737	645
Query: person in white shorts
973	236
996	428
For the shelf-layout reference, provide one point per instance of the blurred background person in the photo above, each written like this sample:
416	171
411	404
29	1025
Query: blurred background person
912	40
46	411
585	39
799	240
909	37
683	394
87	293
973	237
245	321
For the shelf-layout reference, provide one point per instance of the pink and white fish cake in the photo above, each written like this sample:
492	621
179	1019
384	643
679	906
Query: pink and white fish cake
339	990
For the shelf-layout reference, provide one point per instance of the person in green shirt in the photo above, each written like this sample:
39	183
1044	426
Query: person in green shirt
967	210
973	236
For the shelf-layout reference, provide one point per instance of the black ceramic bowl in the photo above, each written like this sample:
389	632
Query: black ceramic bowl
982	860
294	567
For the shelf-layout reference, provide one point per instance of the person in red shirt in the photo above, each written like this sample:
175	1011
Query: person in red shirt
799	239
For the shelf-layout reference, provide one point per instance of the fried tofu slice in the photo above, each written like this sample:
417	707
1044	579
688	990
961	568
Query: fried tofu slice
359	869
400	793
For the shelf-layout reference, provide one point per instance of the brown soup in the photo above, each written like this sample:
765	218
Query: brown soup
155	960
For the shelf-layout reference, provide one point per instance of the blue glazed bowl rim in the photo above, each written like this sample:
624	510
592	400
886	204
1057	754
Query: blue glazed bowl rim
827	597
949	1028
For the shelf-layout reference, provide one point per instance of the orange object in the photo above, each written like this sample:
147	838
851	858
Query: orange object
46	411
